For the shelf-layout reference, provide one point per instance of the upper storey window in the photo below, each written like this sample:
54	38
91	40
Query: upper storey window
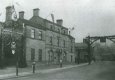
51	27
58	30
64	31
32	33
40	35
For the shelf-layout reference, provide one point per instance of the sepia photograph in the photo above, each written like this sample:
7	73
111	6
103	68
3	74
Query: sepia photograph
57	40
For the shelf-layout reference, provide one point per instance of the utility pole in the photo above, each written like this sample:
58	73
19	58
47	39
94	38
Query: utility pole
24	44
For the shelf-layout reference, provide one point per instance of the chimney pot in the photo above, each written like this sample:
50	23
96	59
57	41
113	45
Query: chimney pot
21	14
8	13
36	12
60	22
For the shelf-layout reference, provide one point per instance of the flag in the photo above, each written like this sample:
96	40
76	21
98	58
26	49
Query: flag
17	4
14	15
72	28
52	17
13	9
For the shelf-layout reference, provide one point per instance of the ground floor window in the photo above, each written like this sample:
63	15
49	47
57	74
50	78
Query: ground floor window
40	54
32	54
71	58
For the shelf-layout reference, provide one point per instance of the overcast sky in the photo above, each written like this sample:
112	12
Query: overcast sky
94	17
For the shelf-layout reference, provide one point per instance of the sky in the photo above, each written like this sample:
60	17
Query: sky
88	17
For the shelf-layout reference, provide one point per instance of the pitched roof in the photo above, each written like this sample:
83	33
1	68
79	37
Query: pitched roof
37	19
56	24
40	20
80	45
71	37
30	23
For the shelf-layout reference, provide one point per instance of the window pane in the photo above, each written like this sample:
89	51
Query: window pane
58	41
40	55
64	43
40	35
32	54
51	27
51	40
32	33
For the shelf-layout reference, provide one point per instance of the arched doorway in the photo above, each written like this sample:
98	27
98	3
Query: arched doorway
51	55
59	54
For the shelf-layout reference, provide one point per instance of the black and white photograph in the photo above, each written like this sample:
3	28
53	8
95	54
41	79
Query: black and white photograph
57	39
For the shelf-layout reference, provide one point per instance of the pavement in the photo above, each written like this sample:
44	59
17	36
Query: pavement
11	72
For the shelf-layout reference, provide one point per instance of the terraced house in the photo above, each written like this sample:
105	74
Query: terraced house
43	40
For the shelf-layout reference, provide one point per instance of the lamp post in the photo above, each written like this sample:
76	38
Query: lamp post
2	54
13	47
13	44
60	58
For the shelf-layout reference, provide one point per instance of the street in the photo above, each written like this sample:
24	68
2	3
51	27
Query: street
96	71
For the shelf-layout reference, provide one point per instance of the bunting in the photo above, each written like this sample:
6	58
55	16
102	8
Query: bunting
14	15
52	17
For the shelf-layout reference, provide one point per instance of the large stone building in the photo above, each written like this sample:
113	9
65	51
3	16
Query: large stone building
43	40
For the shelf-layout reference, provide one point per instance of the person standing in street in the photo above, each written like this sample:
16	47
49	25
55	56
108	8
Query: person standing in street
60	62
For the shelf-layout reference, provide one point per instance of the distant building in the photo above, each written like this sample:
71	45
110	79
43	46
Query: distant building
81	52
41	39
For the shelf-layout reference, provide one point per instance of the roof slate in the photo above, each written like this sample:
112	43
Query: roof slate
30	23
80	45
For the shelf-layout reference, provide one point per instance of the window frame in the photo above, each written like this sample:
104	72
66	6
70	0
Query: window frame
51	40
32	54
33	33
59	30
64	43
71	48
40	53
40	35
58	41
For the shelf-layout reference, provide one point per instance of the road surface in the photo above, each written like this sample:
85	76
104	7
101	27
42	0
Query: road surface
96	71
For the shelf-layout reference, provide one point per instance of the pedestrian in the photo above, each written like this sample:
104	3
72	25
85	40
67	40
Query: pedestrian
94	59
33	66
60	62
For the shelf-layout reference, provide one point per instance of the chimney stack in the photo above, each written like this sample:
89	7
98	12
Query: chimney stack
36	12
60	22
21	15
8	13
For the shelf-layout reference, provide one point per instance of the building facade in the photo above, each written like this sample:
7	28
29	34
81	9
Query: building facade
43	40
81	52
